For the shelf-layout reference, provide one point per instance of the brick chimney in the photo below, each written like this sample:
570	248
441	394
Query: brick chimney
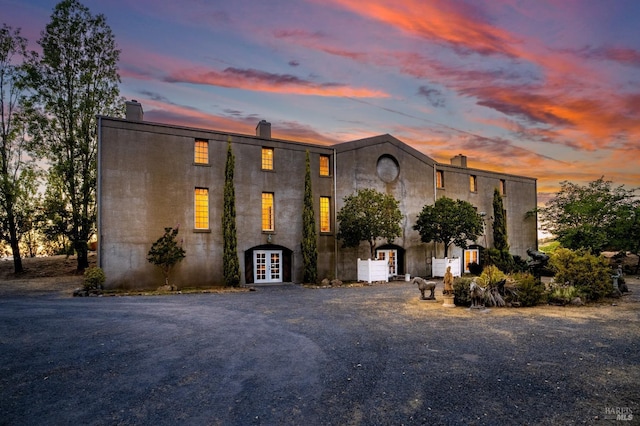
134	111
263	129
459	160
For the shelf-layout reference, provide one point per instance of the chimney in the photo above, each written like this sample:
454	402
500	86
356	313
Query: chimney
459	160
263	129
134	110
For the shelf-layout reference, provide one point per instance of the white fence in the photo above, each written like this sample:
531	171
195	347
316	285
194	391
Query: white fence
373	270
439	266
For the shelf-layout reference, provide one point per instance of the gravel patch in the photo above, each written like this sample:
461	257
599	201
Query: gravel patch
289	355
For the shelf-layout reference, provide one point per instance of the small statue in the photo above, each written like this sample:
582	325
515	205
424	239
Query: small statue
424	285
448	281
476	292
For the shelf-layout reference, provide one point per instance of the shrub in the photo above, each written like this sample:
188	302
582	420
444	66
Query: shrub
491	275
461	291
502	259
528	291
562	294
93	278
475	268
588	273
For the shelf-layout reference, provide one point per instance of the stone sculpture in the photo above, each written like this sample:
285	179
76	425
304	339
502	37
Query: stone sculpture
424	285
476	292
448	282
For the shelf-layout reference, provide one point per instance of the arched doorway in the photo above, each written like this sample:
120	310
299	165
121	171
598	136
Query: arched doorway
267	263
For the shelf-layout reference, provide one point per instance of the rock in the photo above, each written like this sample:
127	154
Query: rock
325	282
336	283
80	292
576	301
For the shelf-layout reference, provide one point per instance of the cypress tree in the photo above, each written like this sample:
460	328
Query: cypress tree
230	262
500	241
309	240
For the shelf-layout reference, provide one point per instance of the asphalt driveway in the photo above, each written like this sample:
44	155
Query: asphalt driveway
288	355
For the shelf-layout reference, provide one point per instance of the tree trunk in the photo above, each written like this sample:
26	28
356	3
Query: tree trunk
15	246
82	250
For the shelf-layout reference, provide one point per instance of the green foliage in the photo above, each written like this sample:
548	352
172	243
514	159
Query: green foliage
528	291
461	295
596	216
73	81
309	243
93	278
589	274
500	239
502	259
230	261
562	293
368	215
475	268
166	252
490	276
448	221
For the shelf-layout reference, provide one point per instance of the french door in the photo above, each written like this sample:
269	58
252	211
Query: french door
267	266
391	256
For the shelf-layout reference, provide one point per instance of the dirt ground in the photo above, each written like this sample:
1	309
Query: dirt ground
58	276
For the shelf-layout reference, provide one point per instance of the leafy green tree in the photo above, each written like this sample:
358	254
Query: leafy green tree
368	215
230	262
589	216
17	175
74	80
626	232
448	221
500	239
166	252
309	243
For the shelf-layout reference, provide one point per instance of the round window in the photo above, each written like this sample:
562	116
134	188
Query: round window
388	168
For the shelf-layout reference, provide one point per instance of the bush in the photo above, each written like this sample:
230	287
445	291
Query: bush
475	268
562	294
528	291
502	259
93	278
589	274
461	291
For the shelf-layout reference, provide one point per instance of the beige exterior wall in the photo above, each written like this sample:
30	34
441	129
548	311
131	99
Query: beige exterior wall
147	179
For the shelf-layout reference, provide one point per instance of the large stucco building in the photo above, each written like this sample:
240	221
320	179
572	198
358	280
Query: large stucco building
152	176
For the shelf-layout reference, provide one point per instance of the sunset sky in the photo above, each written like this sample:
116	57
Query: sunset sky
548	89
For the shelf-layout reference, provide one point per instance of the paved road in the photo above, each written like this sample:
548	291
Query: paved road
287	355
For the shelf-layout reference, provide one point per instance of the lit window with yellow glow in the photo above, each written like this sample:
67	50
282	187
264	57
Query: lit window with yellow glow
324	165
201	152
325	218
202	208
473	183
439	179
267	158
267	212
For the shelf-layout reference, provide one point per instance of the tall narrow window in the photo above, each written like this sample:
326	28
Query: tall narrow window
439	179
324	165
267	212
201	152
473	183
267	158
325	214
503	187
201	208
